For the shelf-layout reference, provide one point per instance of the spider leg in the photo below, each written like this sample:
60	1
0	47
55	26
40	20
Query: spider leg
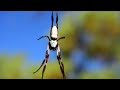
60	62
57	20
43	37
60	38
43	70
44	62
52	18
40	66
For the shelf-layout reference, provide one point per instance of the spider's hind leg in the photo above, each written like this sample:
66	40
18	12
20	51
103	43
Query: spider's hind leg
44	62
60	62
39	67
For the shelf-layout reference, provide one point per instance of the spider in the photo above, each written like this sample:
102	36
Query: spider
53	45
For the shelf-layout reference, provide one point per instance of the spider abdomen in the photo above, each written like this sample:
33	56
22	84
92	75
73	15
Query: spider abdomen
54	32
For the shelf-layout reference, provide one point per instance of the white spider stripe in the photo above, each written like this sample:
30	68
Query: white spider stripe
48	49
58	50
46	64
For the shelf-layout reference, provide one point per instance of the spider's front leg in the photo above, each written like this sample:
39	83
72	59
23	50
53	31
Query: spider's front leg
44	37
44	61
60	62
60	38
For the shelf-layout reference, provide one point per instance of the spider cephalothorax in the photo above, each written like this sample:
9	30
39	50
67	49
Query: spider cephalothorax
53	45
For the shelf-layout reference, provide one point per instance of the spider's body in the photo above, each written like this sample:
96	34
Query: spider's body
54	32
54	36
53	45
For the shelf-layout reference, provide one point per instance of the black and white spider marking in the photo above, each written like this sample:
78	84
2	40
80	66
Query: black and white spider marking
53	45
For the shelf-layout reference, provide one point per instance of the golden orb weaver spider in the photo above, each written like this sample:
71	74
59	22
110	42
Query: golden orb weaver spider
53	45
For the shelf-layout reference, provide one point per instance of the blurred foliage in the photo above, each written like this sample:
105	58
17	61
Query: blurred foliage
11	67
104	26
14	67
100	75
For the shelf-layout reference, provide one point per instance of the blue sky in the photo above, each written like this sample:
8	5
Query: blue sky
19	31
